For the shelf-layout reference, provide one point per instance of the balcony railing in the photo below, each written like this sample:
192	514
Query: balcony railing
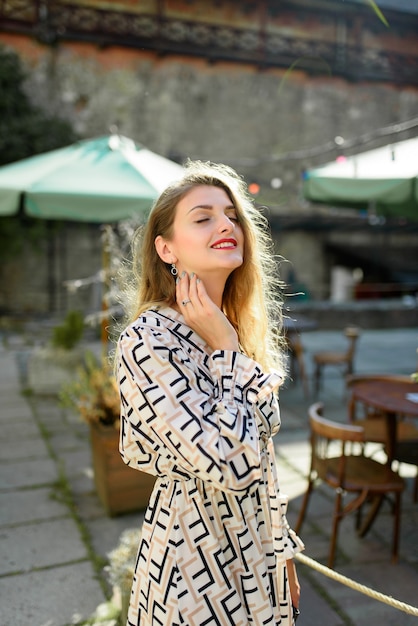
51	23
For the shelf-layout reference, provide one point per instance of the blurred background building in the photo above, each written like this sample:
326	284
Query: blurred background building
270	87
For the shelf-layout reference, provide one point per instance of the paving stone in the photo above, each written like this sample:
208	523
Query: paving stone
314	610
48	543
297	455
51	418
88	505
77	462
17	507
294	491
56	597
67	441
320	507
82	483
14	410
397	581
24	449
9	379
29	473
18	429
105	532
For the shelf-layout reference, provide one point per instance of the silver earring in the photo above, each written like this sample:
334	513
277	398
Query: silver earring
174	269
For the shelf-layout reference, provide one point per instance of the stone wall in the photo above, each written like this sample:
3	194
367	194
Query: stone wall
184	107
220	111
34	282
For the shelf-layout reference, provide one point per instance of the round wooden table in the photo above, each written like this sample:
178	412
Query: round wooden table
389	396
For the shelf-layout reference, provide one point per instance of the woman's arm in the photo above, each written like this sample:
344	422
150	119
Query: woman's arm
206	427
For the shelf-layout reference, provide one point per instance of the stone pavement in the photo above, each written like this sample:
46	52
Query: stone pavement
55	536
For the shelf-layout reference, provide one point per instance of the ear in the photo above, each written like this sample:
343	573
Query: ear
163	249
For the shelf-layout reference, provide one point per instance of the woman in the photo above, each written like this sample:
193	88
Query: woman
199	409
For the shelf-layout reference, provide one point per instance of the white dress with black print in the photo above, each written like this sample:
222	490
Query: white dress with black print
215	536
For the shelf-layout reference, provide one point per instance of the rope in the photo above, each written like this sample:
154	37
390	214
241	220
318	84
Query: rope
412	610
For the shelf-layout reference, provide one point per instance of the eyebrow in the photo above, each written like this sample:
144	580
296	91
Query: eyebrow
209	207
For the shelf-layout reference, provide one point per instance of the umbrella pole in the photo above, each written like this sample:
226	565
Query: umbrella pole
51	260
105	286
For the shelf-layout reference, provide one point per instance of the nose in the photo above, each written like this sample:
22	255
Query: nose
226	224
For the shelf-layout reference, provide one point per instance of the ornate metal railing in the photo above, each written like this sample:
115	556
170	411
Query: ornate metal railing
51	22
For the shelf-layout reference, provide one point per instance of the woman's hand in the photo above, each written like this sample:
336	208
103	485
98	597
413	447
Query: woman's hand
202	314
293	582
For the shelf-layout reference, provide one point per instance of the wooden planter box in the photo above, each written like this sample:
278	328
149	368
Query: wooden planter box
120	488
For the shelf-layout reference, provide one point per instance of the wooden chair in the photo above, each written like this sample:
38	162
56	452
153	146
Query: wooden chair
334	462
375	425
343	360
297	361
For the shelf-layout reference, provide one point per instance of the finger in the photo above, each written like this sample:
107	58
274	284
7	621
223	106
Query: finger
182	291
202	294
181	286
193	292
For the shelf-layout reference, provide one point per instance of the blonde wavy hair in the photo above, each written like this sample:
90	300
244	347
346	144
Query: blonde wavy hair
251	298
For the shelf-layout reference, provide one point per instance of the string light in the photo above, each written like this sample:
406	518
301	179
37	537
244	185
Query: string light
329	146
254	188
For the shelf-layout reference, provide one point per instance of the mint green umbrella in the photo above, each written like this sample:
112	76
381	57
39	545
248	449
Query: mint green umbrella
103	180
385	179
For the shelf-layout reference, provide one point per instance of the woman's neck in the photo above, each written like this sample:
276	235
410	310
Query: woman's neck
215	286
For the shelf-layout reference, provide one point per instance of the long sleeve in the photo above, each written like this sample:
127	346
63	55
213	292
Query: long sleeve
185	415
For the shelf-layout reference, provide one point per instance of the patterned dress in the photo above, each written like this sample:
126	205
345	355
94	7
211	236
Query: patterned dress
215	537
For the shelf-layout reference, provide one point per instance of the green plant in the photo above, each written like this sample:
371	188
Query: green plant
70	332
93	393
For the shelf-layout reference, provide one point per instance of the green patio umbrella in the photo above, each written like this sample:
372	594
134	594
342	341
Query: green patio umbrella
103	180
385	179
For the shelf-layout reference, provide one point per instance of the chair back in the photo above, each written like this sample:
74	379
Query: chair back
330	440
331	430
352	333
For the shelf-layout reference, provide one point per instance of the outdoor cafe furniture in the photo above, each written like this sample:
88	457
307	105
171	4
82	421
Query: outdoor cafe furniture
390	410
297	360
293	327
344	359
335	464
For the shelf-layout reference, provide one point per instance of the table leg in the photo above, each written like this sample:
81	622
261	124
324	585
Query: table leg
391	432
